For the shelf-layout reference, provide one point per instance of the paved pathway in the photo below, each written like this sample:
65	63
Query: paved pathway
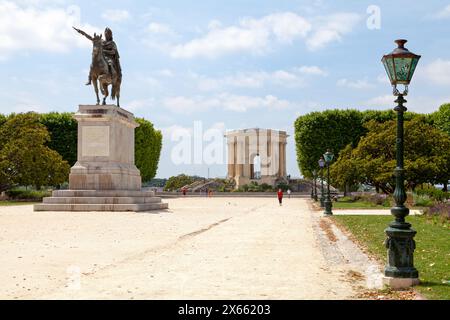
202	248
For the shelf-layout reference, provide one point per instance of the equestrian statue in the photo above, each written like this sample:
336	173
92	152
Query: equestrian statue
105	67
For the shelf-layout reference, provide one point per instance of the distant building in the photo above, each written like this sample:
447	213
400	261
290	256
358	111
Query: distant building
266	146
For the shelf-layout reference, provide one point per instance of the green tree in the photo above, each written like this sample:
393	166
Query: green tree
318	131
333	129
24	157
63	134
426	154
441	118
148	144
345	173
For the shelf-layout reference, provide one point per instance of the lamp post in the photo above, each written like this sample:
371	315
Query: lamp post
328	156
322	196
315	185
400	271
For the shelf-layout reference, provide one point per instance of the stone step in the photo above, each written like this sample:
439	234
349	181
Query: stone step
100	207
101	200
103	193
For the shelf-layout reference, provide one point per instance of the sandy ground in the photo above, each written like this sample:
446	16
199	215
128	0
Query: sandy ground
201	248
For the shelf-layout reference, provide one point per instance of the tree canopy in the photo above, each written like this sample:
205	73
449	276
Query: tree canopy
316	132
441	118
373	160
25	159
148	144
63	134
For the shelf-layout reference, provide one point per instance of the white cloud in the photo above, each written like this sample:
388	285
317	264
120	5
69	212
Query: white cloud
331	28
251	35
416	103
159	28
383	78
312	70
442	14
139	104
357	84
214	24
166	73
437	72
231	102
185	105
250	80
292	78
381	101
25	28
243	103
159	36
116	15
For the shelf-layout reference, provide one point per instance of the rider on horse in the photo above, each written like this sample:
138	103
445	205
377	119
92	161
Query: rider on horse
110	53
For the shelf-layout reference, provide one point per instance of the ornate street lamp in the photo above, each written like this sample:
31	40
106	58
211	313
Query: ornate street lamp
400	271
315	185
322	196
328	156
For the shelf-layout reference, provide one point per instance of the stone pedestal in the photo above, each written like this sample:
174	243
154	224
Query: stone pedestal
105	177
105	150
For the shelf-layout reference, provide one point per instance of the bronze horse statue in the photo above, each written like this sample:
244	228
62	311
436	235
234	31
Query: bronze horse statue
101	75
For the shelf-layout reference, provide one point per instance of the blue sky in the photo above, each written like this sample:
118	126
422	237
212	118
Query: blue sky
229	64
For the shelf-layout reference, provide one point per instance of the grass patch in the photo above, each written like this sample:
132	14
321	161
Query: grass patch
432	255
357	205
15	203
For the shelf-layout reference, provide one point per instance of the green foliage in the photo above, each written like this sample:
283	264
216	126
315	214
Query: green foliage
373	159
255	187
441	118
24	157
148	144
345	172
422	200
432	192
176	182
23	194
363	200
63	134
156	182
318	131
333	129
3	119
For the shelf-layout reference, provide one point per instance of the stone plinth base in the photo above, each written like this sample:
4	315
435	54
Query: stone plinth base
100	176
104	200
400	283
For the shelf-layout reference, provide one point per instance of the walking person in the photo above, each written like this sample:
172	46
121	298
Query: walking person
280	196
289	193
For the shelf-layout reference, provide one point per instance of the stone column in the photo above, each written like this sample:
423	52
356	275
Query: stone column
231	157
247	168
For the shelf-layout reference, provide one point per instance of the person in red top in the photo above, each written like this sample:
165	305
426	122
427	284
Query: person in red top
280	196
